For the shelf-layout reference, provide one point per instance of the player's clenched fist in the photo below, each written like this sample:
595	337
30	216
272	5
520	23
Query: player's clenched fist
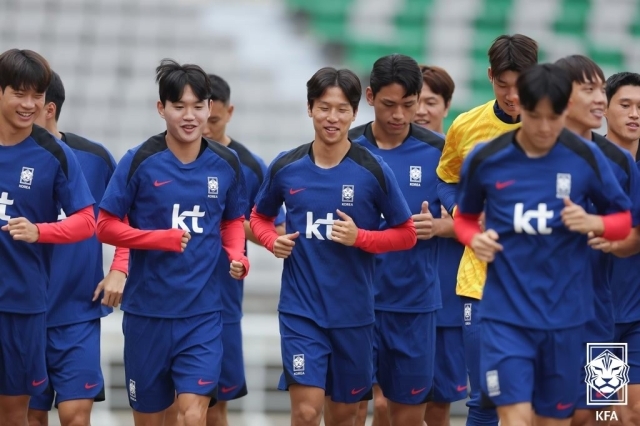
485	245
22	230
284	244
237	269
423	222
344	231
576	219
185	240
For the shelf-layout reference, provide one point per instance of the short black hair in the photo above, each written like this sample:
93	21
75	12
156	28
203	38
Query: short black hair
328	77
439	81
24	70
55	93
581	69
396	68
616	81
173	78
220	90
512	53
544	81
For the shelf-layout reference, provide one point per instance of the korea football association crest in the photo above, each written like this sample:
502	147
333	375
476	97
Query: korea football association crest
26	177
607	374
348	194
563	185
415	175
212	187
298	365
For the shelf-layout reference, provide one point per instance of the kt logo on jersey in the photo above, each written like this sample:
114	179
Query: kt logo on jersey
607	374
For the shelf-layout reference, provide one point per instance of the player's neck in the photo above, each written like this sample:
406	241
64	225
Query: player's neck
224	140
530	149
10	136
326	155
185	152
578	129
629	145
53	129
385	140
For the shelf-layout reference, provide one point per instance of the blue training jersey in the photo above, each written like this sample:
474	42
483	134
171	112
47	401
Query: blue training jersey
625	282
449	255
157	191
77	268
407	280
538	280
254	170
322	280
600	326
36	176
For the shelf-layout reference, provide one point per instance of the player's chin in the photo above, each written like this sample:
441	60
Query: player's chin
190	134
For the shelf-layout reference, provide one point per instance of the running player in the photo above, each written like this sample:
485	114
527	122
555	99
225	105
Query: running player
406	285
508	57
232	378
185	198
450	373
534	185
38	176
73	318
584	114
334	192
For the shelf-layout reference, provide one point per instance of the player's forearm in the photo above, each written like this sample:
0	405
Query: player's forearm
112	230
629	246
466	227
401	237
121	257
264	229
77	227
447	194
617	226
280	229
233	240
444	228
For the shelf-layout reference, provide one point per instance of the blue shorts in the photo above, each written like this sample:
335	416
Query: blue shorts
232	380
73	364
337	360
536	366
403	355
450	375
23	366
629	333
163	356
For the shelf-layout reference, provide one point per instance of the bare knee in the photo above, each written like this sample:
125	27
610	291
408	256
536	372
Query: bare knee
38	418
437	413
75	412
217	415
380	406
306	414
193	415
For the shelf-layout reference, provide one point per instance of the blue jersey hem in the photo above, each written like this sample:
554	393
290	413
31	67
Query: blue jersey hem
78	320
327	325
580	323
408	310
26	312
165	316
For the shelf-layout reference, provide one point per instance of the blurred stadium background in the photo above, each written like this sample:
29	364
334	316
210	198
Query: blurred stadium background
106	52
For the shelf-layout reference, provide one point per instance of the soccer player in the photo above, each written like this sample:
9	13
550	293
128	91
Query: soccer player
74	311
335	192
508	57
406	285
450	373
38	175
185	198
584	114
435	98
232	378
534	185
623	129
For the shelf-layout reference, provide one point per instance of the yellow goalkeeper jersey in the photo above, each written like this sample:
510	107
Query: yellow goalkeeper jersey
477	125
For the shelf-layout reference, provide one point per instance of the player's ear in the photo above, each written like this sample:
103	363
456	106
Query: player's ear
355	114
51	111
160	109
230	111
490	75
369	95
446	109
309	109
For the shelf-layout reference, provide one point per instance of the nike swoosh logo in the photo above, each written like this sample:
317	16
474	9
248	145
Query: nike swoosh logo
357	391
88	386
227	390
461	388
34	383
563	406
295	191
415	392
156	183
203	383
503	185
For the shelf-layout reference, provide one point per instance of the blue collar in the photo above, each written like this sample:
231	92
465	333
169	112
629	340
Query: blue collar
503	116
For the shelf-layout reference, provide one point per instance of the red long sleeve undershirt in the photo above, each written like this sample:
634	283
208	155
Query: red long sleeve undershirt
401	237
77	227
617	226
233	241
121	257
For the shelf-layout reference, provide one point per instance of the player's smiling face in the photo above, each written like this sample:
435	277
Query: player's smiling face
218	120
393	111
332	116
623	113
20	108
506	92
186	118
431	110
588	102
541	127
